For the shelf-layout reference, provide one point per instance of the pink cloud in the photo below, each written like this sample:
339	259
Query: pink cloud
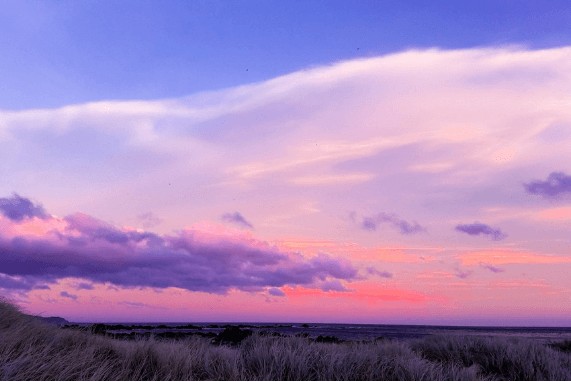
94	250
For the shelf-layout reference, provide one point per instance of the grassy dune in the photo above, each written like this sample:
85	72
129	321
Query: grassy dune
33	350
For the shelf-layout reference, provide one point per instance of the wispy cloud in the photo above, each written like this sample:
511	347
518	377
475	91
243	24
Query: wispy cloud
508	256
556	184
492	268
134	304
463	273
371	223
476	229
84	286
333	285
276	292
237	219
91	249
68	295
362	137
149	220
374	271
20	283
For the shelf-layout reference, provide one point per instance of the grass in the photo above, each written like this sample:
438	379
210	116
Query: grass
33	350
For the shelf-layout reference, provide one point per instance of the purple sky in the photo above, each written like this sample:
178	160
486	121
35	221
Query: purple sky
399	162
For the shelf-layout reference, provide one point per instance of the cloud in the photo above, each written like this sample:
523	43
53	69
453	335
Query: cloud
237	219
93	250
481	229
84	286
276	292
149	220
492	268
91	229
400	129
370	223
463	274
68	295
333	286
557	184
374	271
134	304
17	208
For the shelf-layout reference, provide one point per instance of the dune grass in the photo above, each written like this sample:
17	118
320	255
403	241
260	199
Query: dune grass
33	350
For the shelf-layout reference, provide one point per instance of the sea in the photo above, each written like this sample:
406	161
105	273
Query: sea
354	332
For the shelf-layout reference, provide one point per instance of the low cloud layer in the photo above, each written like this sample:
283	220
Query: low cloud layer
476	229
556	184
371	223
376	272
238	219
91	249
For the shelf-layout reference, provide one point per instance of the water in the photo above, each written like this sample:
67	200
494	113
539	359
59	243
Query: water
360	331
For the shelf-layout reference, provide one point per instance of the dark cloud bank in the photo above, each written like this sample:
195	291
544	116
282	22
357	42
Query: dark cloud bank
481	229
91	249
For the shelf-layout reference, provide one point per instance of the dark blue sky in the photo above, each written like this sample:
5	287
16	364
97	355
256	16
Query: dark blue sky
57	53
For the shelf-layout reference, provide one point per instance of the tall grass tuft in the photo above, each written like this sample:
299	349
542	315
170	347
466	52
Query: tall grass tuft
497	358
33	350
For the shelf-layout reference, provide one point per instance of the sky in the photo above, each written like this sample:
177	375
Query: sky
391	162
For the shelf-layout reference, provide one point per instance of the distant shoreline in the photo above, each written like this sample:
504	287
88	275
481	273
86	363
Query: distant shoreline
343	332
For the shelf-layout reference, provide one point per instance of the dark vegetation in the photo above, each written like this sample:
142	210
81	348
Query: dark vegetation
564	346
31	349
102	328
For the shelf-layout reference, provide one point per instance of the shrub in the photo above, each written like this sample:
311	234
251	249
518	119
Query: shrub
564	346
328	339
497	358
232	335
